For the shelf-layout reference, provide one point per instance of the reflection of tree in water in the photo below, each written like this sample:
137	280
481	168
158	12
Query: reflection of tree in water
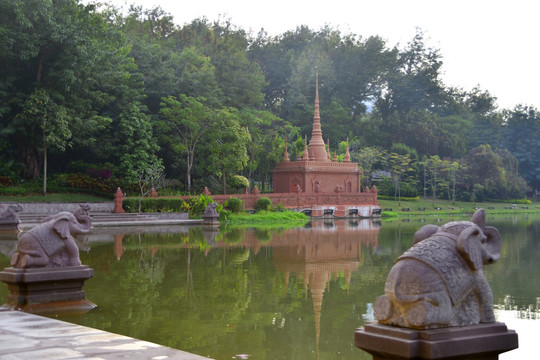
4	262
515	278
151	267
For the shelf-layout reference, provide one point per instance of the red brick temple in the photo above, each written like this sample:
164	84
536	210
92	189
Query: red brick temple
324	185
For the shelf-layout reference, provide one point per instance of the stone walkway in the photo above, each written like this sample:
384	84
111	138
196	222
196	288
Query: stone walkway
100	219
26	336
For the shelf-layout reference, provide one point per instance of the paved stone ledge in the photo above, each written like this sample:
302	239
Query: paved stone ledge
26	336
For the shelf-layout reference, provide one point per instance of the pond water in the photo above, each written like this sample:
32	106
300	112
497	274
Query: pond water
295	293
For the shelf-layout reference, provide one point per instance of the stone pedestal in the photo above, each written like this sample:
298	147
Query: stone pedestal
10	225
210	220
48	290
481	342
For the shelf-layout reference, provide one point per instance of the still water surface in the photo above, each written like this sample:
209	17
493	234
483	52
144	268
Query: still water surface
277	293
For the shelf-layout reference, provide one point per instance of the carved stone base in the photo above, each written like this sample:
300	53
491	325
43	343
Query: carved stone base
210	220
483	341
48	290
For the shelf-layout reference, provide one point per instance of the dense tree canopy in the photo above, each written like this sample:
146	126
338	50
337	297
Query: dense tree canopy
103	88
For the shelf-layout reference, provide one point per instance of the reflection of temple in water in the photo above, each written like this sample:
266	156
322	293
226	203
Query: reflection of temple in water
315	253
321	252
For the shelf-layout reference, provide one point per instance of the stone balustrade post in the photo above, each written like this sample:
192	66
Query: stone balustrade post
118	196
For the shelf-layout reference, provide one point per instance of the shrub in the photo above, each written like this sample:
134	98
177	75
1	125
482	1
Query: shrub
263	204
131	205
511	201
197	204
238	182
82	181
235	205
5	181
15	191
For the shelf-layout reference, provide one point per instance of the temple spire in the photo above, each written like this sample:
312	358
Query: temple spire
347	153
328	150
306	152
316	145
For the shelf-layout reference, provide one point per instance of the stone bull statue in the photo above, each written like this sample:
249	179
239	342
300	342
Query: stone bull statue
51	244
439	281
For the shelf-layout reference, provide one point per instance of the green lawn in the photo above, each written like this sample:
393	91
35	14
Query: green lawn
60	197
442	207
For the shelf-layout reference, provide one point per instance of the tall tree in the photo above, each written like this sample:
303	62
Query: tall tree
187	119
228	142
522	138
52	121
137	152
74	55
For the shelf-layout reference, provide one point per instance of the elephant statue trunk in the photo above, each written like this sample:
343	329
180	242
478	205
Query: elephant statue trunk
82	215
439	281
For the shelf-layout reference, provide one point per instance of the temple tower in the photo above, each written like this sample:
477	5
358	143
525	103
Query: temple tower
317	151
316	172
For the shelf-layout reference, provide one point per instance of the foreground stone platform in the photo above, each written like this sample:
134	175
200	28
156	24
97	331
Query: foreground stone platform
481	342
28	336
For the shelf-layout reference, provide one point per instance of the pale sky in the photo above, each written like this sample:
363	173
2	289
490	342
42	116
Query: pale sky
490	43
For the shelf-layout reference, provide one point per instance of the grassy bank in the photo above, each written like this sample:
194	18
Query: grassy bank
267	217
445	207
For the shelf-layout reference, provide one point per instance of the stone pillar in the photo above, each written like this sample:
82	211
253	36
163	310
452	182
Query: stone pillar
118	196
153	193
481	342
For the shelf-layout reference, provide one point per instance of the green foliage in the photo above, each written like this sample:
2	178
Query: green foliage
131	205
389	214
139	148
511	201
386	188
89	84
268	217
197	204
238	182
263	204
403	198
83	181
521	137
235	205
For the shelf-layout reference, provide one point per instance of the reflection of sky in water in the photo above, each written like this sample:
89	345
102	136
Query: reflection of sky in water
525	321
527	330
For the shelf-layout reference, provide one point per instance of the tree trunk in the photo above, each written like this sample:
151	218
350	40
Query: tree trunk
44	169
30	157
188	172
224	183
